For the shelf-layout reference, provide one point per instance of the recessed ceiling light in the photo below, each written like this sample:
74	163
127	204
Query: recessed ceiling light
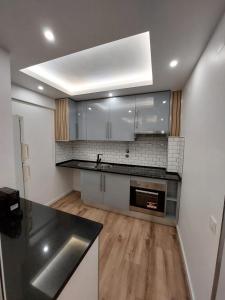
110	94
45	249
173	63
130	111
40	87
162	131
164	101
49	35
89	108
162	119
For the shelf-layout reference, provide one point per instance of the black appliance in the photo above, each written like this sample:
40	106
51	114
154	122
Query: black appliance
148	197
9	202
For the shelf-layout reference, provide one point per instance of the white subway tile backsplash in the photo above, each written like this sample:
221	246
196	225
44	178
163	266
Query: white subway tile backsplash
175	154
146	151
63	151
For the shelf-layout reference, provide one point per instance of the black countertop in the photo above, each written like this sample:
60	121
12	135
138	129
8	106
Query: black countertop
133	170
41	250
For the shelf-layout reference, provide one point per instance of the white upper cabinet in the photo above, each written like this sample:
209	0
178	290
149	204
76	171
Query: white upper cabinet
81	127
113	119
153	113
97	120
121	118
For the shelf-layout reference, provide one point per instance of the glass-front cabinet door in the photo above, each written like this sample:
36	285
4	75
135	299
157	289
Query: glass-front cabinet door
81	121
152	113
121	121
97	120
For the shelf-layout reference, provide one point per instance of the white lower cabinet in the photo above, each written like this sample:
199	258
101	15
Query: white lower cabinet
84	283
110	190
92	186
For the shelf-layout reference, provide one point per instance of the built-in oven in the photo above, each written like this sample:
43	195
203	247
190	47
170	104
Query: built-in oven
148	197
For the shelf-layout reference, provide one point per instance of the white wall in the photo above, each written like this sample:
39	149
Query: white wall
220	289
203	185
25	95
7	170
47	182
76	180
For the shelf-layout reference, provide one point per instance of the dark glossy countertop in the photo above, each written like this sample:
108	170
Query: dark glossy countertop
132	170
41	251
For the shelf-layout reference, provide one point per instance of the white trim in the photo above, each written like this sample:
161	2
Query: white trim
33	104
22	94
59	197
184	257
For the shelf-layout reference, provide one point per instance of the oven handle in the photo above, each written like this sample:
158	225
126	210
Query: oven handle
146	192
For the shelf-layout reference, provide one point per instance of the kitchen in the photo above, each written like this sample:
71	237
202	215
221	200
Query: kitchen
113	135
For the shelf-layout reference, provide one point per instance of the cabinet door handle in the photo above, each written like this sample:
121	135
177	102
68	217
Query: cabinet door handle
103	183
110	130
136	120
77	133
107	130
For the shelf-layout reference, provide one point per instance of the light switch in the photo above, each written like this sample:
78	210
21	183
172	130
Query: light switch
213	224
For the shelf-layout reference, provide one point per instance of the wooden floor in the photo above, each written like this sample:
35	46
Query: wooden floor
139	260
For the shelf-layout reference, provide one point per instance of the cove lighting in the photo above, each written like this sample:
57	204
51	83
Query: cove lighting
124	63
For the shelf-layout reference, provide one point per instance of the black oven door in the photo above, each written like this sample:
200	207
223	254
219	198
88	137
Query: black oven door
148	201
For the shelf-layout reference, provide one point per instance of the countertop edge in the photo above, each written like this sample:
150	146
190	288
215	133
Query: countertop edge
100	225
82	256
77	265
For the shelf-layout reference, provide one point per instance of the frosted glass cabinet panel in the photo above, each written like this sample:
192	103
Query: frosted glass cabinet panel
121	120
97	120
81	121
152	113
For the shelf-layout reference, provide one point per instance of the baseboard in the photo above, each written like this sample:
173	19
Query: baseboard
187	273
59	197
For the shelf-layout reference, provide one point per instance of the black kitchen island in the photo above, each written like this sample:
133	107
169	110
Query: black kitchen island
43	249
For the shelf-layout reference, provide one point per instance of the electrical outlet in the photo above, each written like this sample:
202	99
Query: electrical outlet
213	224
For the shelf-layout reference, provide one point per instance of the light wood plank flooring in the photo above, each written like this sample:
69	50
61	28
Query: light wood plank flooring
139	260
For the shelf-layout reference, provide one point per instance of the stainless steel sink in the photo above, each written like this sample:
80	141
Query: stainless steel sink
92	165
88	165
105	166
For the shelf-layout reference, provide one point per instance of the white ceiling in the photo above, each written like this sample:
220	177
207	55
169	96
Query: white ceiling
179	29
116	65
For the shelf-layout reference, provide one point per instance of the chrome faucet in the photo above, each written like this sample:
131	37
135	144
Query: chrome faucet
99	158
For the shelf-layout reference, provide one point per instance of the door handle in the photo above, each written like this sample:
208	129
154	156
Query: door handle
107	130
110	130
100	182
146	192
103	183
136	120
77	131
